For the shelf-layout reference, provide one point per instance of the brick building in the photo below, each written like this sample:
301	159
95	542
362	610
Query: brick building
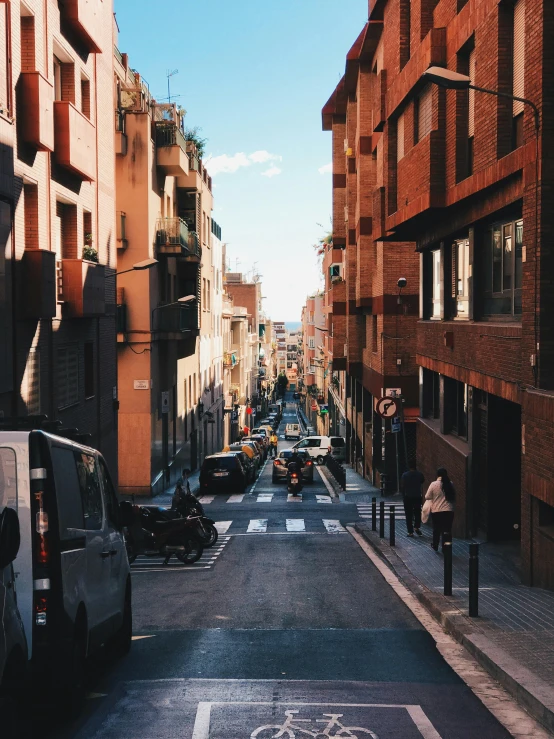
57	225
463	177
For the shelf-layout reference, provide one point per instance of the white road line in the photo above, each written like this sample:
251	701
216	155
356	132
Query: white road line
236	499
222	526
333	526
295	524
257	526
264	498
294	498
323	499
206	499
327	484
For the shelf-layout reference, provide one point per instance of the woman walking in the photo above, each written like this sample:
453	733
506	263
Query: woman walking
442	496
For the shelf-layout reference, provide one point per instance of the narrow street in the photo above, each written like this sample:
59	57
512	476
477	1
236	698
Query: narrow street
294	618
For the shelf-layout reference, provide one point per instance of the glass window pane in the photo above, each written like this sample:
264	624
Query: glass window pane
462	268
90	490
508	258
437	284
519	254
68	493
8	479
496	260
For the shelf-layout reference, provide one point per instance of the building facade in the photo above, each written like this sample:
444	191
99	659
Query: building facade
57	218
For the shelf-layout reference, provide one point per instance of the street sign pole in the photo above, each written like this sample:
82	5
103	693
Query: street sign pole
404	431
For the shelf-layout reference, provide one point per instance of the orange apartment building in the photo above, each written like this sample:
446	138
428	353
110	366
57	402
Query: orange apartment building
164	206
57	226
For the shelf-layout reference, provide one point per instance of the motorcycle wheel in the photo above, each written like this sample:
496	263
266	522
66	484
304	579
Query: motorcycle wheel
193	552
214	535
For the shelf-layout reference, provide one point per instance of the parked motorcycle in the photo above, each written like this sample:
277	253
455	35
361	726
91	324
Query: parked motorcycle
188	504
151	533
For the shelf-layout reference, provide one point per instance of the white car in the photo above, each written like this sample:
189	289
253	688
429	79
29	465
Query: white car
292	431
73	579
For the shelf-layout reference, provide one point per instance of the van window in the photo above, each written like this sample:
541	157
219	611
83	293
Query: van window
337	441
314	442
90	490
8	479
110	497
70	505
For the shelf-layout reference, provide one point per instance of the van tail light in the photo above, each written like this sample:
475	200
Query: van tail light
41	609
42	551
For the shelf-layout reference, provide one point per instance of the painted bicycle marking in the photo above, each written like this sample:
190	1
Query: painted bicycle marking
289	728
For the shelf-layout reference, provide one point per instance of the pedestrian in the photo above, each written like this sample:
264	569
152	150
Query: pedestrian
273	441
410	485
442	496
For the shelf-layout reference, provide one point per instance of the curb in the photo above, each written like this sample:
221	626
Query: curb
534	694
329	481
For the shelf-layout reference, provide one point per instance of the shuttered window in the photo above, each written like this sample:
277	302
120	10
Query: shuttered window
425	113
400	138
519	54
68	376
471	101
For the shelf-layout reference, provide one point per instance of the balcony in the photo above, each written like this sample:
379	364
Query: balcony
83	18
36	104
83	288
74	140
171	150
39	270
176	321
172	237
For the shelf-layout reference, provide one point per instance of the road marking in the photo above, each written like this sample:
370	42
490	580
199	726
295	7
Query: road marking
334	526
257	526
294	498
236	499
323	499
206	499
222	526
327	484
264	498
295	524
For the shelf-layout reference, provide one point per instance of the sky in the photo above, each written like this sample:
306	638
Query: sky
254	75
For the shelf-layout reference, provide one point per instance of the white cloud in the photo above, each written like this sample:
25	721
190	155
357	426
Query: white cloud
271	172
224	163
326	168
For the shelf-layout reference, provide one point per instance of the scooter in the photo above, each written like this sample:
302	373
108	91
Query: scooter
294	480
151	533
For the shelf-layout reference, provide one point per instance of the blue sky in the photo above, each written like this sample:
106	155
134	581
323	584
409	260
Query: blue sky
254	74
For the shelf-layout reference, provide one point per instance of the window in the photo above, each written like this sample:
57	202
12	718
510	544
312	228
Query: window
70	504
311	342
374	329
8	479
110	497
471	114
89	369
87	228
6	102
437	287
27	23
455	407
431	393
423	114
503	269
89	485
518	78
30	204
400	138
85	97
67	374
460	278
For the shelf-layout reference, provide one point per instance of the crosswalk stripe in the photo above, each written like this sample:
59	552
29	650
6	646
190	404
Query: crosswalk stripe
222	526
334	526
206	499
295	524
236	499
323	498
264	498
294	498
257	526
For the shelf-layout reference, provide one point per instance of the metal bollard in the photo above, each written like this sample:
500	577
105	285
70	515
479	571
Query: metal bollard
447	551
392	526
474	580
374	514
381	519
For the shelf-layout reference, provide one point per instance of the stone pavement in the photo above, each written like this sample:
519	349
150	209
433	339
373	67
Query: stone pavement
513	637
164	499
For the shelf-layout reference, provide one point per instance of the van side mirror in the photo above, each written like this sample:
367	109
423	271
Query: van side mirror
10	537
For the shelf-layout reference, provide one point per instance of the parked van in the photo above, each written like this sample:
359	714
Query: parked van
292	431
338	448
73	578
13	646
316	446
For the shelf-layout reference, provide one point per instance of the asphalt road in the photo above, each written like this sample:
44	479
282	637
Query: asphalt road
292	619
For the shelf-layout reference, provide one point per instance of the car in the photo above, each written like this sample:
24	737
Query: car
13	645
337	448
316	446
263	441
261	433
73	575
223	473
252	447
247	461
279	471
292	431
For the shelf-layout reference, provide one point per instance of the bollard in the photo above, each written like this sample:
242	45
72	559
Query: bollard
447	551
381	519
474	580
374	514
392	526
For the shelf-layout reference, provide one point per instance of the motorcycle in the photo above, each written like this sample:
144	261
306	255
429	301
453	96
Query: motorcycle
294	479
189	505
150	532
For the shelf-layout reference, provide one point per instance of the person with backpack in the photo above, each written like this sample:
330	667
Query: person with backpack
441	495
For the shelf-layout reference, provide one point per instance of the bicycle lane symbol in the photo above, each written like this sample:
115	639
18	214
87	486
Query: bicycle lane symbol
289	728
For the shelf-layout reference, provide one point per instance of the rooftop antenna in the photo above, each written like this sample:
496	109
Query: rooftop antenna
170	73
237	262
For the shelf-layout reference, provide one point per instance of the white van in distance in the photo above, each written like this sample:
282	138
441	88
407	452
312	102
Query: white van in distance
292	431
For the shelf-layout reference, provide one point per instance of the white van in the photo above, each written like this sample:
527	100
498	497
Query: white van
292	431
316	446
72	572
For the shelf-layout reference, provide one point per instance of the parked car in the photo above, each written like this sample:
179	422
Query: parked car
223	473
279	472
316	446
337	448
292	431
247	462
261	430
72	573
263	441
250	449
13	645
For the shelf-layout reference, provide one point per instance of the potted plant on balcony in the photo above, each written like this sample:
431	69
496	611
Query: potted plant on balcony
90	254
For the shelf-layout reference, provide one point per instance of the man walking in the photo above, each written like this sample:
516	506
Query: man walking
273	441
410	484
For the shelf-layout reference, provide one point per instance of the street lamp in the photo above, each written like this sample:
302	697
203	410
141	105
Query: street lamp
138	267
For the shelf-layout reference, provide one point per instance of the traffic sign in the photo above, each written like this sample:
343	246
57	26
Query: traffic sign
396	425
249	411
386	407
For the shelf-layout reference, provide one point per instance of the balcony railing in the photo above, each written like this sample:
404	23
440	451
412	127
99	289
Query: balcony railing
168	134
194	163
172	236
118	55
194	245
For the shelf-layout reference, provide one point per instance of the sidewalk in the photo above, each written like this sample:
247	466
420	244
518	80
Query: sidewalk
513	638
164	499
